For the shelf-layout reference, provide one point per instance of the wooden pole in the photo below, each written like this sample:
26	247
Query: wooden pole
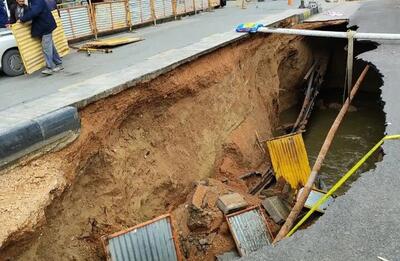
318	163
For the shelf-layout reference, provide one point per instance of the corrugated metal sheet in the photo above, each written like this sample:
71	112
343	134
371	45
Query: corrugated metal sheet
153	240
110	16
31	48
119	15
168	4
111	42
313	198
76	22
198	5
289	159
146	11
103	17
249	230
136	12
189	7
180	7
205	4
159	9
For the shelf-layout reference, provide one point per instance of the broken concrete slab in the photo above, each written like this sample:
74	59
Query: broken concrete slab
198	196
231	202
228	256
276	209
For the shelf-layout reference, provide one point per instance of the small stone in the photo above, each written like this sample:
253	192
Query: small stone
203	241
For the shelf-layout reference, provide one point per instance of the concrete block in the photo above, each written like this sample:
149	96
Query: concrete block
276	209
231	202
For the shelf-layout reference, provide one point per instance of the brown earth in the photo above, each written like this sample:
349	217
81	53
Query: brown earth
139	152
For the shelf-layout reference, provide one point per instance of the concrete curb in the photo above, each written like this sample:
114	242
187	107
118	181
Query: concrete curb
32	134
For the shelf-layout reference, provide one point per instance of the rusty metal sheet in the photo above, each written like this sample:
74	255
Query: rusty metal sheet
76	22
31	48
289	159
152	240
111	42
249	230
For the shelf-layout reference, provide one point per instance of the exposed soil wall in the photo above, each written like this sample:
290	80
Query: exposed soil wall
140	151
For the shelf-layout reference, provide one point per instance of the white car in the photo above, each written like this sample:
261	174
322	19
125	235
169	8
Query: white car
10	59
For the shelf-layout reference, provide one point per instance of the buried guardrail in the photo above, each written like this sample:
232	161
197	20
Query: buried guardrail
342	181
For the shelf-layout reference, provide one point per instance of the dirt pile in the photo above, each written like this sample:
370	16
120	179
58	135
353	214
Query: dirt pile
140	151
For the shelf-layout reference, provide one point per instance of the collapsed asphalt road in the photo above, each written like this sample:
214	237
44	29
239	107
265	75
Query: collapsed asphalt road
364	223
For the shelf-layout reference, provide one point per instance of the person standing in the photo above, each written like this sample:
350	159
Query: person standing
17	10
3	15
43	24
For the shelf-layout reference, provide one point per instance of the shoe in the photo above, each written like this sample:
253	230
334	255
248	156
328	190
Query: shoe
58	68
47	71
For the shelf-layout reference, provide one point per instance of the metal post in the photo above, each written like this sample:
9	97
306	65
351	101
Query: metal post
350	49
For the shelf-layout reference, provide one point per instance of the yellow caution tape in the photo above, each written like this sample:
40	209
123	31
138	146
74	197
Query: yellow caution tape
341	181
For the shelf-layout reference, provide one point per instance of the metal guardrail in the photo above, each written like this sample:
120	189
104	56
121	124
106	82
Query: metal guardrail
82	19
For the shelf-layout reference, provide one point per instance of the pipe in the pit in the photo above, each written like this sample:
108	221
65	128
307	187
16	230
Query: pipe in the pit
319	33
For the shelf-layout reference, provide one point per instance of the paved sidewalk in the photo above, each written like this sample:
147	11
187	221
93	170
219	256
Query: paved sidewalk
160	38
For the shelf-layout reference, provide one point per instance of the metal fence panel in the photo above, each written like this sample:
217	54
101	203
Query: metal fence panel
180	7
189	7
289	159
214	3
119	15
153	240
76	22
168	8
159	9
198	5
31	48
249	230
146	11
111	16
136	12
103	17
205	4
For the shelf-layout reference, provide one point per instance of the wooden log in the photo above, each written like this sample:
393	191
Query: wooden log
318	163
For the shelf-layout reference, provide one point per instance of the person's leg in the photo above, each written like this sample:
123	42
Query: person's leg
56	57
47	47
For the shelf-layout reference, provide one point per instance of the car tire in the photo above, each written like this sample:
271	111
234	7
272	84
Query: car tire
11	63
